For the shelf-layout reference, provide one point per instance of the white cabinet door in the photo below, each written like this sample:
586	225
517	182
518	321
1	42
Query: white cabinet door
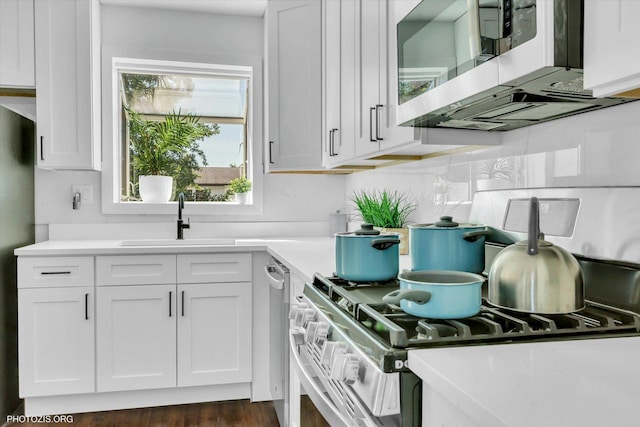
136	337
214	333
611	49
56	341
367	55
67	81
340	86
294	85
376	128
17	57
392	135
331	130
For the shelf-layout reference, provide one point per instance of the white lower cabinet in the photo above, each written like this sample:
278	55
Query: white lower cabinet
178	326
56	341
160	334
136	332
214	333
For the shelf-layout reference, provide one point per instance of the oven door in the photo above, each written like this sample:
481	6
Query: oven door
346	386
335	401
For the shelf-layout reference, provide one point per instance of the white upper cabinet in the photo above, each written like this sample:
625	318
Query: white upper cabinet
375	123
294	85
611	49
339	81
17	58
67	34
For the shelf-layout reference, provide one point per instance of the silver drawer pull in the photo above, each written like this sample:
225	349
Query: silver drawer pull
54	272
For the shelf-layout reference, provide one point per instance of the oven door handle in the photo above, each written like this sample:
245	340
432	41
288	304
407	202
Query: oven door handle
320	400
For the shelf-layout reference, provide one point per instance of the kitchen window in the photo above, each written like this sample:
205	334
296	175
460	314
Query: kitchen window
213	108
218	102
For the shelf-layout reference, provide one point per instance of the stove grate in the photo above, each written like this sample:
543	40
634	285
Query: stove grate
494	324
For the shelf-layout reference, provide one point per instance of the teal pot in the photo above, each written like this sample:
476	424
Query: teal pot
367	255
447	245
438	294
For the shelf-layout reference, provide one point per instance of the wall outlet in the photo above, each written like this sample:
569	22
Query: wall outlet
86	193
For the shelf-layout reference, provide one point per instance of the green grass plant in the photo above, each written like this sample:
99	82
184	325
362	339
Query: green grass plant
383	208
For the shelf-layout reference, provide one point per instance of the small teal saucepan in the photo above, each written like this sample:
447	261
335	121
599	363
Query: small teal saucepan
438	294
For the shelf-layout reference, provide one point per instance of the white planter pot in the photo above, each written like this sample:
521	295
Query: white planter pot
242	198
493	184
156	188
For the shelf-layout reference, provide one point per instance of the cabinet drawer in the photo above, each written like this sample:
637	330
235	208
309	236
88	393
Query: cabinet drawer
211	268
41	272
135	270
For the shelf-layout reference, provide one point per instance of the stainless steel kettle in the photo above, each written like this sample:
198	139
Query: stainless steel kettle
535	276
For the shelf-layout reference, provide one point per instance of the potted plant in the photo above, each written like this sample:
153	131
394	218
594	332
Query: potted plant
160	149
240	187
387	210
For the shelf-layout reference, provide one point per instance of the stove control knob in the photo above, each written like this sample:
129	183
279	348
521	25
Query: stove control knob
330	350
323	332
345	367
295	308
304	316
317	332
311	331
298	336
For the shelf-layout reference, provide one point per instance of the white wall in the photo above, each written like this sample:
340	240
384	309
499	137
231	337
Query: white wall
286	198
601	148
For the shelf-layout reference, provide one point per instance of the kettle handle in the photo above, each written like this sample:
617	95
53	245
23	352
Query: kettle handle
534	226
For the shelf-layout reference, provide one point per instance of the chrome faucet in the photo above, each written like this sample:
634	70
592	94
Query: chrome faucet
181	224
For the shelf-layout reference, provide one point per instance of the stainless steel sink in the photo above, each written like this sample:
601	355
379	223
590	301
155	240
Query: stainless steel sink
176	242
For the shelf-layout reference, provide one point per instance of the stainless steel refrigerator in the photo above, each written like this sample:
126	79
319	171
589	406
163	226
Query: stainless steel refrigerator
16	229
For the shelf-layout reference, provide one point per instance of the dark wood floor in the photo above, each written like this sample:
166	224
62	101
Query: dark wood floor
237	413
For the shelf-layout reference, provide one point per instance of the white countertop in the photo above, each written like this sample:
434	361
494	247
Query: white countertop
581	383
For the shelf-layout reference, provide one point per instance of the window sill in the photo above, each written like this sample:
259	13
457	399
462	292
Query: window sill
190	208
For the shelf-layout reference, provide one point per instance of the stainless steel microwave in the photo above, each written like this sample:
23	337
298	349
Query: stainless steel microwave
490	64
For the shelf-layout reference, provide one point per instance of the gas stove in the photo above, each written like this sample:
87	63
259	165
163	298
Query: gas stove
357	347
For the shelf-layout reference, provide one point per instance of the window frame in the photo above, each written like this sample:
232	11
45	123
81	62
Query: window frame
116	59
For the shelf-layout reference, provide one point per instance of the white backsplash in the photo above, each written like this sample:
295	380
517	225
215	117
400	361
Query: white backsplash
592	149
293	205
601	148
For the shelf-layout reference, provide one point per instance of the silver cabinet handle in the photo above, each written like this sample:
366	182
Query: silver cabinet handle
371	110
170	314
378	108
270	153
42	148
332	142
47	273
86	306
182	303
